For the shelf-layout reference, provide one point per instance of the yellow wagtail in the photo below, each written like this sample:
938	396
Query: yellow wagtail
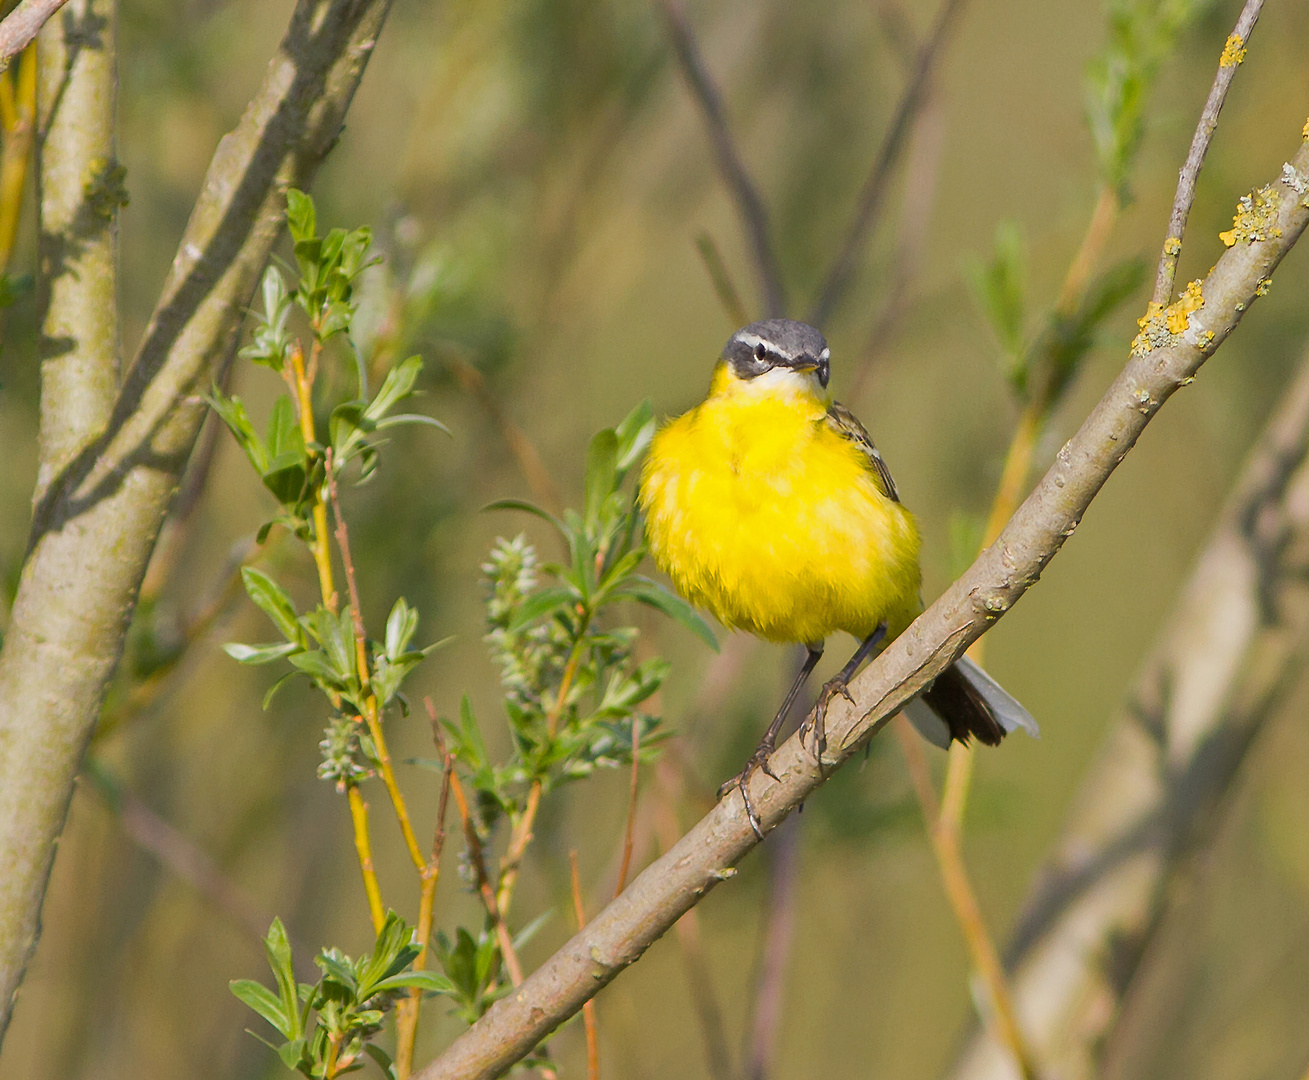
769	505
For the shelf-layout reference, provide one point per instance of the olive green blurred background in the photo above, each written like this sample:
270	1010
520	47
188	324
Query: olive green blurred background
537	172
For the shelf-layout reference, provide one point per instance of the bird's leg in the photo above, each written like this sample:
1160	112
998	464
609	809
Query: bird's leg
759	759
838	685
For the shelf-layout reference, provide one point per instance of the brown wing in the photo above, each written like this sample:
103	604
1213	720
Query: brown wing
846	424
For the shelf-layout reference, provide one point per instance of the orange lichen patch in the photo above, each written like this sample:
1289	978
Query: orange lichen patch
1163	326
1172	245
1304	131
1264	285
1233	52
1177	316
1256	218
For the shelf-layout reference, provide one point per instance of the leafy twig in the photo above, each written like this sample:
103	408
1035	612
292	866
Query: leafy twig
18	121
742	189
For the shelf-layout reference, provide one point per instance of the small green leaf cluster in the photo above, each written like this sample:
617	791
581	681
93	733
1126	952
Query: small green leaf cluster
1118	82
326	1026
1039	370
294	470
572	686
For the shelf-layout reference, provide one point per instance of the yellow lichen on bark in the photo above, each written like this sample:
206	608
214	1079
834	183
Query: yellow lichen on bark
1256	217
1233	51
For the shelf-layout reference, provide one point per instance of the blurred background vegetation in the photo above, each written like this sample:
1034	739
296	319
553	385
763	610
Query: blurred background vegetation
536	177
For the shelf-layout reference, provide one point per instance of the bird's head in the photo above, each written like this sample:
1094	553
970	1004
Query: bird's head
778	356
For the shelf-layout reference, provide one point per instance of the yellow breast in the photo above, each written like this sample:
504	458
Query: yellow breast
759	512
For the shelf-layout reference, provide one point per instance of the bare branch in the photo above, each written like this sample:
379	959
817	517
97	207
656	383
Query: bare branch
97	517
874	189
1233	54
1214	676
748	203
1160	364
20	26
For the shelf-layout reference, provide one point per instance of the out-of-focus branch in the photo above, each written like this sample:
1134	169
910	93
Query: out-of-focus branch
1213	677
1211	680
179	854
874	189
98	512
1163	360
20	26
746	197
1233	54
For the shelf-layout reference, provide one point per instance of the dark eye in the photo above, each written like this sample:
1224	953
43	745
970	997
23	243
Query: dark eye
760	352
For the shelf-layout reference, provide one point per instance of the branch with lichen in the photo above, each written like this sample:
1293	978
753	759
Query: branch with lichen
708	854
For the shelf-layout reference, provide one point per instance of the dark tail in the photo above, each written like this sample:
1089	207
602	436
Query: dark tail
965	702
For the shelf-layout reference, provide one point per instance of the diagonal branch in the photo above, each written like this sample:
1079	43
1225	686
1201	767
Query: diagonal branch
1163	360
874	189
20	27
97	516
748	203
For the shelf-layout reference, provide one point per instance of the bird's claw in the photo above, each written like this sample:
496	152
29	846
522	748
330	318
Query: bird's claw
758	760
817	724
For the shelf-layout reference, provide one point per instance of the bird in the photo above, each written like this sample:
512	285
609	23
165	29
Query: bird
769	506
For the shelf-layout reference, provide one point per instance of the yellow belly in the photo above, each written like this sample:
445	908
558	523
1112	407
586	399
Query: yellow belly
763	515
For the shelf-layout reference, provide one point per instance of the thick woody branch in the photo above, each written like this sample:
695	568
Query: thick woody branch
708	854
97	516
21	26
1213	679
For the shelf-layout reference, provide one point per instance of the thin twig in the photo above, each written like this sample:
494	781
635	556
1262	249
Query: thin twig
721	279
523	449
364	849
372	717
588	1010
1233	54
633	789
406	1026
19	123
778	933
739	185
477	857
20	26
870	197
922	171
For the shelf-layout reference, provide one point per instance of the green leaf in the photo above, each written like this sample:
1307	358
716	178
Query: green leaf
601	475
278	949
318	666
273	601
429	981
399	383
656	596
301	219
272	690
634	435
401	625
232	413
529	508
541	603
263	1001
1000	290
259	654
382	1058
401	419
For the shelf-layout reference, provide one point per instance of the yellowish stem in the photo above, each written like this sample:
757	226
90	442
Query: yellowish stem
364	848
18	119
